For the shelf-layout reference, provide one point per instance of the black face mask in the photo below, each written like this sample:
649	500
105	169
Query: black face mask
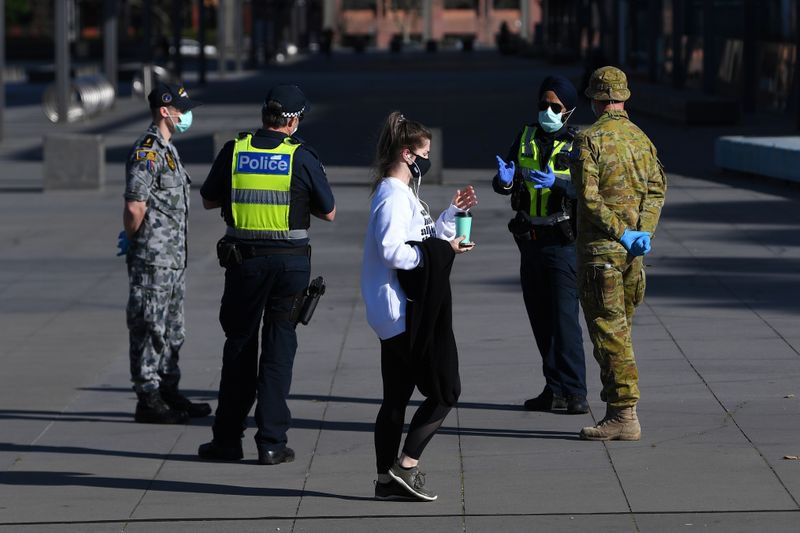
419	167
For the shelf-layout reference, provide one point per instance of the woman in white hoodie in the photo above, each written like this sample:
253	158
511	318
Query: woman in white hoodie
398	216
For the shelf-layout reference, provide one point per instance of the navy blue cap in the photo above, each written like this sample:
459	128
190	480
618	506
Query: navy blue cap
167	94
292	100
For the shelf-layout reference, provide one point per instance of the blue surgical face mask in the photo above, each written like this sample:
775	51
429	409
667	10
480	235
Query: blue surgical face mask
184	123
550	121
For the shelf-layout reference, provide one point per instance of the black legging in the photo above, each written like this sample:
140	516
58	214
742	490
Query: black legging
398	386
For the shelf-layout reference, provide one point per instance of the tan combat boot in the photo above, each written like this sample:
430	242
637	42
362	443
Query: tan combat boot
620	423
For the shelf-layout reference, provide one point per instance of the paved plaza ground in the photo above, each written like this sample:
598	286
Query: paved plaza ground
716	340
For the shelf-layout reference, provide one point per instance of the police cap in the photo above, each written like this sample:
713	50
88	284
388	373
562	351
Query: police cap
291	99
167	94
608	83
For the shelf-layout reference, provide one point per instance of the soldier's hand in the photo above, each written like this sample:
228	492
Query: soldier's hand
505	171
636	242
122	243
641	245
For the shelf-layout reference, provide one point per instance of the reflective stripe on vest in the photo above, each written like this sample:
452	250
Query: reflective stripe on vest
261	181
529	159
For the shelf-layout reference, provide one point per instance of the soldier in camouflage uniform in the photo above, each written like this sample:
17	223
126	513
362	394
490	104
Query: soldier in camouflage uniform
154	240
620	187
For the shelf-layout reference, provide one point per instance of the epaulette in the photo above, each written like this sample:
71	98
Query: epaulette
148	141
243	134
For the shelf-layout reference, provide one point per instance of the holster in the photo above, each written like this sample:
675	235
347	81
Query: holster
303	304
520	227
228	254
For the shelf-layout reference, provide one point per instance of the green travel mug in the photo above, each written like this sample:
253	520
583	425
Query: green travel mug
464	226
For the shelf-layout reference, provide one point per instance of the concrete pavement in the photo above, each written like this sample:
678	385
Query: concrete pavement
716	340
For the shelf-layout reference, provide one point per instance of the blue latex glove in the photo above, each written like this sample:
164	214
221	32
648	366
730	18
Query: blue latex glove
542	179
636	242
123	243
641	246
505	171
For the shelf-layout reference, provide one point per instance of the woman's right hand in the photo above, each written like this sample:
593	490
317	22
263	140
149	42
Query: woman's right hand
454	244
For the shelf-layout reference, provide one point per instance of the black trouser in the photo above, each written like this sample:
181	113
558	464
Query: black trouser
398	386
549	287
259	284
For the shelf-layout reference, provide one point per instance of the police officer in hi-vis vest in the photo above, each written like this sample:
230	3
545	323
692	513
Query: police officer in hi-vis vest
536	175
268	184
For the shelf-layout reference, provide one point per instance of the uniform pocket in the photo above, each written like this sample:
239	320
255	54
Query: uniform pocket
603	285
170	181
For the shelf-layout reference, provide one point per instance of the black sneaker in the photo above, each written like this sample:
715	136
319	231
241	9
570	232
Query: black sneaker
151	409
413	481
215	451
546	401
392	491
577	405
179	402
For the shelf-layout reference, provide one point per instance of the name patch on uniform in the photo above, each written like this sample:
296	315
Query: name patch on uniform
261	163
149	155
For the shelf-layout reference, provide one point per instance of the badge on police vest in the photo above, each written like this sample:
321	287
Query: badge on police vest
148	155
170	161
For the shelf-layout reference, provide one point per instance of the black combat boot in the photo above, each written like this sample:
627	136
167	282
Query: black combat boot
546	401
151	409
179	402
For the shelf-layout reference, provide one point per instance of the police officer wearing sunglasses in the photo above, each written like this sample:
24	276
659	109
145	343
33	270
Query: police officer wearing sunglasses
536	175
268	184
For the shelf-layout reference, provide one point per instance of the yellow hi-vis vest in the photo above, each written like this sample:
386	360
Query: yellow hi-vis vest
261	190
529	159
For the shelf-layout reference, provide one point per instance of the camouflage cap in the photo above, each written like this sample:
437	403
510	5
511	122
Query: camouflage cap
608	83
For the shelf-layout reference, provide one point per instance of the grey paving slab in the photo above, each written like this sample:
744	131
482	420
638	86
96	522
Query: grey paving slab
399	523
779	522
622	523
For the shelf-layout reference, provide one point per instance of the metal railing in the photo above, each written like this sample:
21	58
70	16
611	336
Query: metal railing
88	96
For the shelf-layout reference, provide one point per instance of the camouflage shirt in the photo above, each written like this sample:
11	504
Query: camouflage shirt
154	174
619	180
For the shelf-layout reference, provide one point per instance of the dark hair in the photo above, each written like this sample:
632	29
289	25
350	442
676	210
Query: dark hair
398	132
272	115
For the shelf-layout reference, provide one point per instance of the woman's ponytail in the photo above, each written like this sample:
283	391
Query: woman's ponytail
397	133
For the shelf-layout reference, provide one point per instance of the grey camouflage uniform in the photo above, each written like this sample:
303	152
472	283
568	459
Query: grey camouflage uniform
156	261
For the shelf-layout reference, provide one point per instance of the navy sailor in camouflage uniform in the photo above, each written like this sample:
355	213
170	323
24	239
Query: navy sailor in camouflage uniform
154	241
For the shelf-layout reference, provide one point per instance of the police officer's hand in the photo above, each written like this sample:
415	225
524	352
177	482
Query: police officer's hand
122	243
465	198
455	245
636	242
505	171
542	179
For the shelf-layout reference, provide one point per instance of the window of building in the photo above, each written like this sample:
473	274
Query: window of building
460	4
358	4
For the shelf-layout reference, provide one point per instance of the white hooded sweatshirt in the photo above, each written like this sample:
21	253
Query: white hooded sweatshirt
396	216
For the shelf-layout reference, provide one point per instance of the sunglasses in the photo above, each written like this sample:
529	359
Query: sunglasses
557	108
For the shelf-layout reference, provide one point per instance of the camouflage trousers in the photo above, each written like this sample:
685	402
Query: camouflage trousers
611	286
155	324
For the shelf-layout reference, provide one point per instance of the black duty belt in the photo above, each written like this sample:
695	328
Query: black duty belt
249	251
545	233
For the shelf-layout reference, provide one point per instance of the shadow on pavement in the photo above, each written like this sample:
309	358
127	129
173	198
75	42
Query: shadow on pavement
88	480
